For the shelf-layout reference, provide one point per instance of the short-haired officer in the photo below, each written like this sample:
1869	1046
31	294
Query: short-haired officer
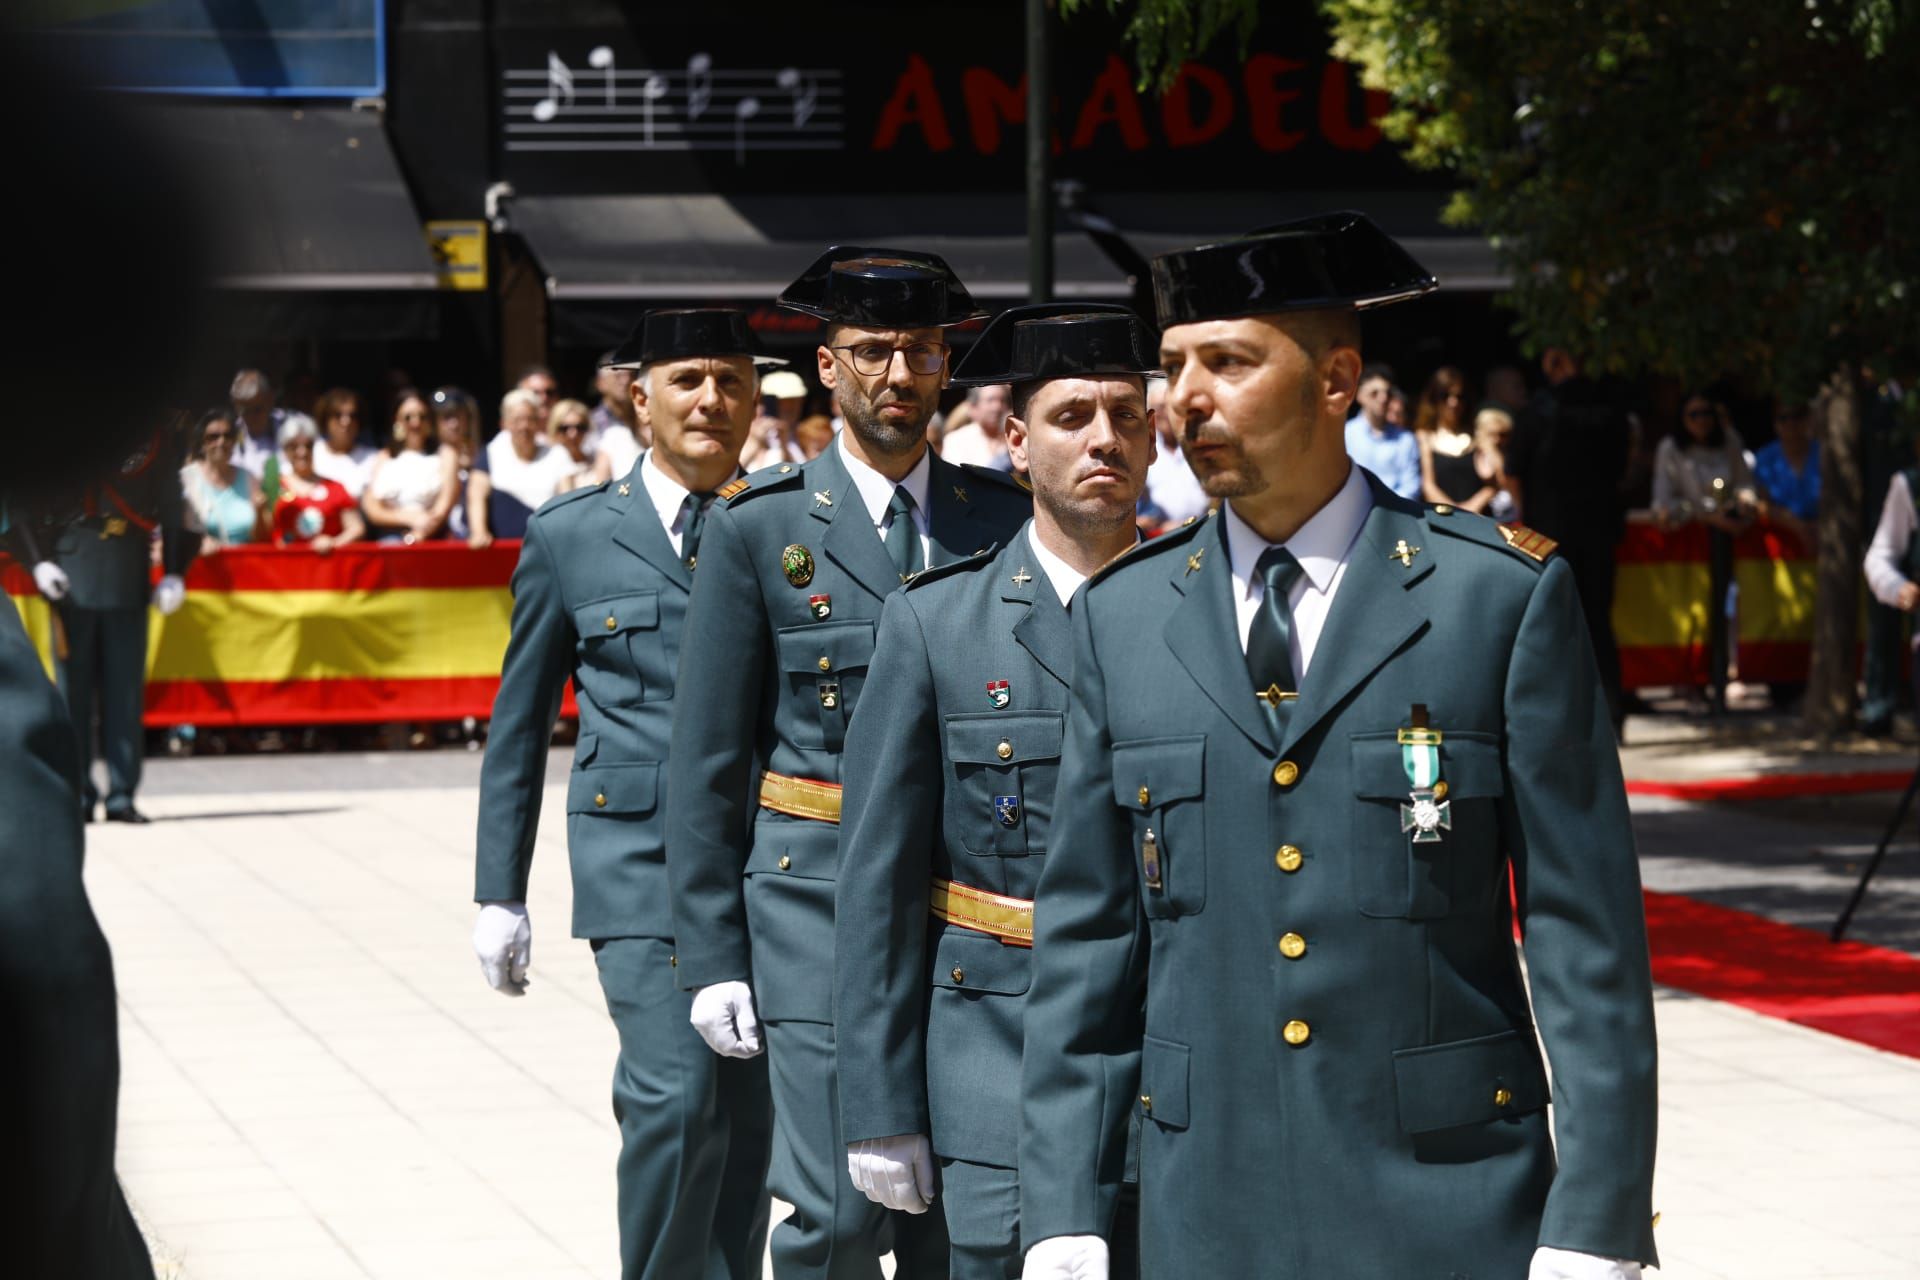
951	765
599	597
797	561
1309	738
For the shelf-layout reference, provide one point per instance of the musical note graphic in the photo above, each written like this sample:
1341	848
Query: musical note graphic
699	85
745	110
601	59
805	91
559	85
651	92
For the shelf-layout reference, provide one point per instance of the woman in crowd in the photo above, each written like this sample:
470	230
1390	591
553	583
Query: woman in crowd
340	454
814	434
412	486
514	474
457	416
568	423
1450	471
1701	475
312	509
1492	428
223	501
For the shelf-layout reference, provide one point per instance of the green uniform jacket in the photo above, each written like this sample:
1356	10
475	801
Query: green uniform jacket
599	596
927	1015
114	570
774	684
1406	1133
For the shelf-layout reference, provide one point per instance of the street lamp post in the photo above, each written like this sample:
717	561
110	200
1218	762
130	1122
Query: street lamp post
1039	153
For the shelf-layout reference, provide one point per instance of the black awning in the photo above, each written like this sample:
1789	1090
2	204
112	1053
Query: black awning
307	199
682	247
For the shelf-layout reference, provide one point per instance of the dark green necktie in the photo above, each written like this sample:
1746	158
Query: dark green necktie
903	540
1270	638
696	508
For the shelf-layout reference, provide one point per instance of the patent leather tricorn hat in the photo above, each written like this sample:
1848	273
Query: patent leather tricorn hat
1060	340
685	333
1332	261
882	289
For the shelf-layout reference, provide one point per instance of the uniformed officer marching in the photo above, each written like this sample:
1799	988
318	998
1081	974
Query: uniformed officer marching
1308	739
796	563
600	594
100	574
950	767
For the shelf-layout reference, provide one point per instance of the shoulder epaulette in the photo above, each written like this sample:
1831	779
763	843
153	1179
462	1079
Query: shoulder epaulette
939	571
1018	484
1526	544
765	480
569	497
1179	534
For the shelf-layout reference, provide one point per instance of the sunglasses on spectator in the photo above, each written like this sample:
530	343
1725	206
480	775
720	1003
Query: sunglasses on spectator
214	436
569	428
875	358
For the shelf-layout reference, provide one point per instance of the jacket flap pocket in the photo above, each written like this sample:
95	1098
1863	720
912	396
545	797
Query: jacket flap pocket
968	961
1154	771
585	750
1163	1082
1469	1081
1469	765
617	615
1028	735
837	645
786	846
614	788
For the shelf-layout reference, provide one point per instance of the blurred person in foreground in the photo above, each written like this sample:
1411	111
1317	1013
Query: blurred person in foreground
1565	463
599	598
342	454
1308	740
795	566
1173	494
63	1213
949	795
414	483
1390	452
982	440
224	504
312	511
517	471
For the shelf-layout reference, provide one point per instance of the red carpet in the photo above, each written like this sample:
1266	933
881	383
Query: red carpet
1774	786
1864	993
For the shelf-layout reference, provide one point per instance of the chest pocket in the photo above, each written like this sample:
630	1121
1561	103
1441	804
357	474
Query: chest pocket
1161	782
1395	876
1005	766
825	665
620	647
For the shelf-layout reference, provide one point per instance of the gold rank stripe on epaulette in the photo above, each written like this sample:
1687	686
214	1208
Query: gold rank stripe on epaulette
731	488
1528	542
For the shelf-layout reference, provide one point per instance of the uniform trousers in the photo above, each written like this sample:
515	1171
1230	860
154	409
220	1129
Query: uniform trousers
834	1232
106	668
695	1129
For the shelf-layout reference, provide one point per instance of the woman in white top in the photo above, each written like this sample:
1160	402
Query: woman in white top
1700	472
567	426
412	486
514	474
340	455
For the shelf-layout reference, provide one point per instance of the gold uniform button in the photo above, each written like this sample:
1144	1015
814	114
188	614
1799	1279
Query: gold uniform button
1146	1102
673	962
1296	1032
959	975
1442	509
601	800
1004	750
1655	1222
1145	797
826	663
611	624
1286	773
1440	789
785	862
1502	1097
1292	946
1288	858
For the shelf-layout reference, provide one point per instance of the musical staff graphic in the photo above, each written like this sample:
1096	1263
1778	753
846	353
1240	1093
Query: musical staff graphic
697	107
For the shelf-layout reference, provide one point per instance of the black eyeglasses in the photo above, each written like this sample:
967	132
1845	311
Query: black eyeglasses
875	358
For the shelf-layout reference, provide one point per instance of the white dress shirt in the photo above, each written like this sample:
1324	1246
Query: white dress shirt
876	493
669	498
1321	545
1061	576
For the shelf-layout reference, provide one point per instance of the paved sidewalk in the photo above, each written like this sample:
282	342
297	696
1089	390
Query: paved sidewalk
317	1083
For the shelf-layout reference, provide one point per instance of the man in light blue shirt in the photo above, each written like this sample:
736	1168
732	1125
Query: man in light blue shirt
1388	451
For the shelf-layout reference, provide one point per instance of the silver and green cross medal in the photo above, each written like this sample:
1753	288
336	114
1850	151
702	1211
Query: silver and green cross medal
1427	812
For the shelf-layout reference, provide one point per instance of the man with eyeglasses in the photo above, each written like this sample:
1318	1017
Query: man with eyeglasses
795	565
599	596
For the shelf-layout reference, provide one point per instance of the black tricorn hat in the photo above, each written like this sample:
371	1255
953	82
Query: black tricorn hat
683	333
1332	261
882	289
1059	340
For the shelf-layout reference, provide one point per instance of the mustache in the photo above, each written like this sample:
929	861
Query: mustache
1201	431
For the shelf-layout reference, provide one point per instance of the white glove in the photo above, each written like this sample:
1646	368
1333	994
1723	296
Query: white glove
51	579
723	1015
1067	1258
1565	1264
895	1173
503	939
169	594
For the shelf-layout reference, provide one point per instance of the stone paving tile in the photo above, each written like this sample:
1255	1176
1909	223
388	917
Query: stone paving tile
317	1084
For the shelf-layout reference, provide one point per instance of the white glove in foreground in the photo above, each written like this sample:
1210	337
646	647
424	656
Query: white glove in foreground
1565	1264
1067	1258
723	1015
51	579
169	593
503	939
896	1173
